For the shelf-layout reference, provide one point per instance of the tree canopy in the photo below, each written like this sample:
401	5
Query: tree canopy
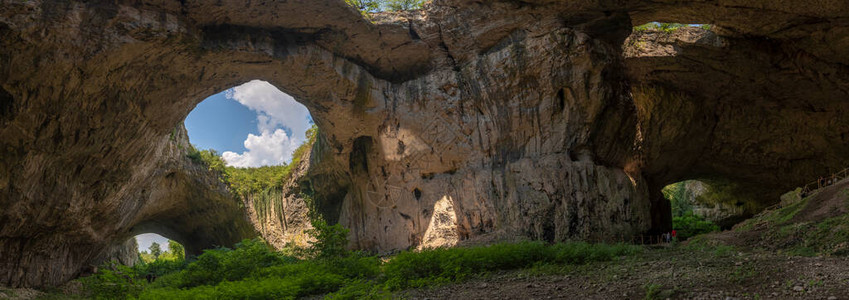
373	6
155	249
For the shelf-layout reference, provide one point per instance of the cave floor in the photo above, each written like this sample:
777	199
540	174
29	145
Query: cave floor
675	272
671	272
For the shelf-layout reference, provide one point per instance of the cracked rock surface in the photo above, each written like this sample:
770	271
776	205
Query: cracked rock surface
464	121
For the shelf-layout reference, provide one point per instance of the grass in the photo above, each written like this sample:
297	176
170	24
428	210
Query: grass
828	237
814	238
669	27
700	244
254	271
653	291
774	218
437	266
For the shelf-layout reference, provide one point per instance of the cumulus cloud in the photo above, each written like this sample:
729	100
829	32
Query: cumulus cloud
269	148
277	114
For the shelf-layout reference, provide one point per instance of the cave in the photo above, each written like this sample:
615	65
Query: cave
541	119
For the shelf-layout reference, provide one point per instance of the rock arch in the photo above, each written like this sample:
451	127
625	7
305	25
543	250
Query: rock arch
506	118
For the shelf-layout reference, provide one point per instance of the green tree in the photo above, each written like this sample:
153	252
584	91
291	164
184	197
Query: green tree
176	249
680	198
365	6
403	4
330	240
155	249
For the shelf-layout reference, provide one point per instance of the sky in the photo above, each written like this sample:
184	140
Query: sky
145	240
250	125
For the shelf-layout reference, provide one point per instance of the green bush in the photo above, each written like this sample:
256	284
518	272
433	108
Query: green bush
159	267
330	240
255	271
367	7
360	289
280	281
251	288
403	4
113	281
690	225
665	27
223	264
411	269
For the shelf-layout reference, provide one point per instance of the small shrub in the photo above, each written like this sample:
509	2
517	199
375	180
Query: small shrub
193	154
691	225
653	291
360	289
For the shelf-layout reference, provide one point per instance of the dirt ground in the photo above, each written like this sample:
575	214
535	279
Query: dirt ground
667	273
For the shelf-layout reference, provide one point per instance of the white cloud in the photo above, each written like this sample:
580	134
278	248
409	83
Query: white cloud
274	108
276	113
266	149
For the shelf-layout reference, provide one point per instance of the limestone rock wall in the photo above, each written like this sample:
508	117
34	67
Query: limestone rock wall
467	120
696	90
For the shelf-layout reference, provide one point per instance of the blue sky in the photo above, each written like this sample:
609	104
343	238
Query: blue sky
250	125
220	123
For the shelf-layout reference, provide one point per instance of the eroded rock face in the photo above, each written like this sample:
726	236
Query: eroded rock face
464	121
765	114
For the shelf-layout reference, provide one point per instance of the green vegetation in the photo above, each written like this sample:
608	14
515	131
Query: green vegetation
690	225
175	252
435	266
653	291
668	27
253	270
680	198
773	218
155	250
244	181
704	245
261	186
684	221
368	7
403	4
828	237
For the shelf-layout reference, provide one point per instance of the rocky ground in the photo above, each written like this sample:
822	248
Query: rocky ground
676	272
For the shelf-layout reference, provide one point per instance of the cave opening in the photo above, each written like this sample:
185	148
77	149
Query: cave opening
152	247
250	126
703	206
250	139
